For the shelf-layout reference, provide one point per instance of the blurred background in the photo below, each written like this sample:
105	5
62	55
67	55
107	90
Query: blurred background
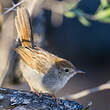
86	43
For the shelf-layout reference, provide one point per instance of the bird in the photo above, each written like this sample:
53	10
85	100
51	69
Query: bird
43	71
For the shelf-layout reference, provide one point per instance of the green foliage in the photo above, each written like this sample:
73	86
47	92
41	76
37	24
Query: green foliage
84	21
69	14
72	6
73	11
105	20
104	3
102	13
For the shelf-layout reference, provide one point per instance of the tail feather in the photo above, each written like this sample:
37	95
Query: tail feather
23	26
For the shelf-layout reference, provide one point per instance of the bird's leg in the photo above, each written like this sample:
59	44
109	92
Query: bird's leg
53	96
32	89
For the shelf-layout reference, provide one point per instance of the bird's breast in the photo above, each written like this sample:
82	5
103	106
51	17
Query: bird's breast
33	77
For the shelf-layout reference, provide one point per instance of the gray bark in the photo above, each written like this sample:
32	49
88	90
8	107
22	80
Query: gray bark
11	99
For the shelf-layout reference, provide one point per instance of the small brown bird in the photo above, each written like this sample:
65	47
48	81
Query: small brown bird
44	72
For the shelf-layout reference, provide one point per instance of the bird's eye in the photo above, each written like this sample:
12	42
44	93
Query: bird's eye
66	70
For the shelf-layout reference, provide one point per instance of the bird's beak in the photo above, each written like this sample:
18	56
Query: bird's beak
79	71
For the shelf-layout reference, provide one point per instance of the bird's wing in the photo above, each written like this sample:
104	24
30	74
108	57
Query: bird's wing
36	59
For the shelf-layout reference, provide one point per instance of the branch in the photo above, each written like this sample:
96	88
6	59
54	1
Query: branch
1	17
89	91
34	5
12	8
52	5
11	99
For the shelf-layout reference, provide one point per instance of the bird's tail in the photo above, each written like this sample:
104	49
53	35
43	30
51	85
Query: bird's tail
23	26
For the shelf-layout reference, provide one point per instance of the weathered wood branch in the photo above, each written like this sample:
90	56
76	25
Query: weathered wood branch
24	100
1	17
105	86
